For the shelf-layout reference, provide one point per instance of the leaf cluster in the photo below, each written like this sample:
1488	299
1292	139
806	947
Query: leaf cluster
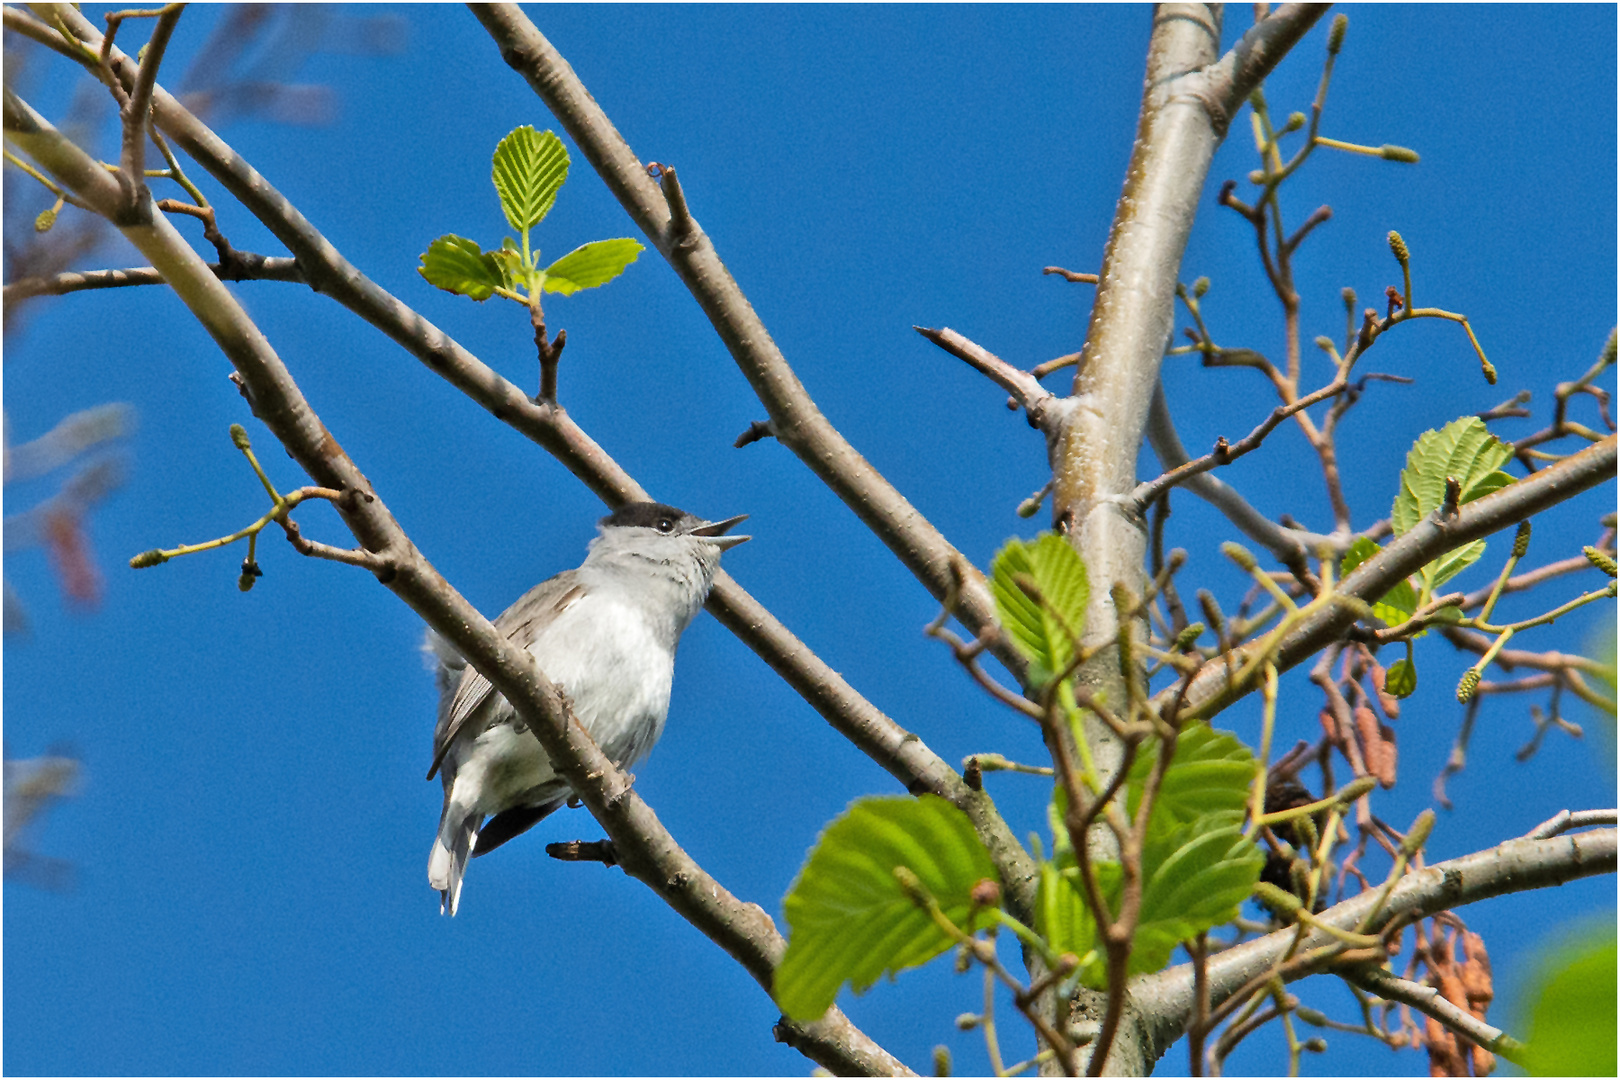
529	168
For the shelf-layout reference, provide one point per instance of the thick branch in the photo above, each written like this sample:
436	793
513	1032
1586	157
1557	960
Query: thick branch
1257	52
1428	540
1165	999
648	852
795	420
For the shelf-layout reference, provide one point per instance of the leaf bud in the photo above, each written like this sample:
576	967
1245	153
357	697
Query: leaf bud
986	894
1608	350
1348	295
1398	153
1599	559
1316	1045
1467	685
968	1021
1398	247
1200	287
1240	555
942	1061
1419	834
46	219
1311	1016
1325	343
1189	634
1521	540
1257	177
239	437
148	558
1296	121
1336	34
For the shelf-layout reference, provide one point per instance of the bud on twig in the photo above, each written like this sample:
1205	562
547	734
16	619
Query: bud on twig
1398	247
1521	540
1200	287
1398	153
148	558
1336	34
1599	559
1240	555
1189	634
239	437
1467	685
1419	834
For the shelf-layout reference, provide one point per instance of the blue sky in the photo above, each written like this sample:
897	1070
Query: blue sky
251	838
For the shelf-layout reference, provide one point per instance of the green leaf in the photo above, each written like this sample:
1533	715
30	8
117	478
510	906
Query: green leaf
1401	679
1572	1021
1210	772
455	264
590	265
1042	633
529	167
510	264
849	919
1195	877
1061	914
1464	449
1398	604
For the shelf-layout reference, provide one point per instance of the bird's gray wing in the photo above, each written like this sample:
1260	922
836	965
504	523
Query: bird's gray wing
521	623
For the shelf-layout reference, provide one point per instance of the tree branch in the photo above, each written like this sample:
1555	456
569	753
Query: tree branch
648	852
1427	1000
1211	690
254	268
1165	1000
795	420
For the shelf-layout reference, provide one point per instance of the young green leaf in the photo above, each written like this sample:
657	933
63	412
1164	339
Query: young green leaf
590	265
1061	914
1196	876
1043	633
455	264
1210	772
529	167
1397	605
1464	449
510	265
1401	679
849	918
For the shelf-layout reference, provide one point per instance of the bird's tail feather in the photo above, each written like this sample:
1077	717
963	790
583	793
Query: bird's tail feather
458	832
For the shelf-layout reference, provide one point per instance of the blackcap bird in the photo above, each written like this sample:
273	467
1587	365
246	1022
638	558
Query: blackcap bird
606	634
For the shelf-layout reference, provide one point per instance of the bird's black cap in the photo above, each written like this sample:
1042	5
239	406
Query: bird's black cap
646	515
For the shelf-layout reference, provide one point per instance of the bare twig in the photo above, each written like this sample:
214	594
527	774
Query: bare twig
1428	1000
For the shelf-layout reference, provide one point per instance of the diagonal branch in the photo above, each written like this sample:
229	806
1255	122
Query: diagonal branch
795	420
1165	999
1211	690
647	850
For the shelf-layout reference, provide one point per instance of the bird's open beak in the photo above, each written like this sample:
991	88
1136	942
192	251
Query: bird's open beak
715	531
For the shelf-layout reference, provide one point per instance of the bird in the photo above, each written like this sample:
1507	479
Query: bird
606	634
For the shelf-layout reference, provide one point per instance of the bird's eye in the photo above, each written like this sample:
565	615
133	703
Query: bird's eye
665	525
